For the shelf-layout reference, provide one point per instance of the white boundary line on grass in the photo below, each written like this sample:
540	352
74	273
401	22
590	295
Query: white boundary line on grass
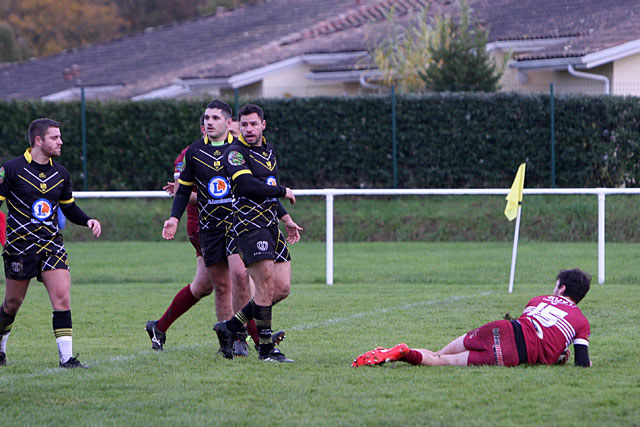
301	328
355	316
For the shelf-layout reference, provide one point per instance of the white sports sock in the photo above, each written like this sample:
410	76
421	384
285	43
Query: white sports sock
3	342
65	348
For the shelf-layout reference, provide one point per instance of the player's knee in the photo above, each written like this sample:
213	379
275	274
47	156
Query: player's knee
240	279
201	289
281	292
12	305
222	287
62	302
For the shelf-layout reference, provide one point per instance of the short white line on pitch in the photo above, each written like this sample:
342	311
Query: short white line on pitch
381	311
300	328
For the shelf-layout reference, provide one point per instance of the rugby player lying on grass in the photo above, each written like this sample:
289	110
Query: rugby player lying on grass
541	335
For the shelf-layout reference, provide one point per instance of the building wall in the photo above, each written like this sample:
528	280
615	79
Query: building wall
539	80
626	76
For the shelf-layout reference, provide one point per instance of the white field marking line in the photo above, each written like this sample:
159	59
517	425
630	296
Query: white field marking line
301	328
355	316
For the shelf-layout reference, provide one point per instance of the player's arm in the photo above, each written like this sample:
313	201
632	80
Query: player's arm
293	229
582	355
249	186
78	217
180	201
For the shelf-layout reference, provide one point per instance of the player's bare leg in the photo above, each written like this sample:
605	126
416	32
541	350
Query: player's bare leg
219	274
201	285
58	285
240	282
454	347
430	358
263	274
282	284
14	293
241	295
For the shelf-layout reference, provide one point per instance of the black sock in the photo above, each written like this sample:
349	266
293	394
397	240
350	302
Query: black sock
237	322
262	315
62	323
6	321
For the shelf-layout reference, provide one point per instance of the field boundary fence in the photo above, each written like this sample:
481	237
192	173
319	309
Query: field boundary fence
331	193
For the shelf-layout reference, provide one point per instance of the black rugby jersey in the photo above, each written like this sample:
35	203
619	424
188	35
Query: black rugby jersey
254	206
203	167
33	193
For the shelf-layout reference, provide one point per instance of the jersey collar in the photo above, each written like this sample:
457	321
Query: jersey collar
29	158
241	139
229	139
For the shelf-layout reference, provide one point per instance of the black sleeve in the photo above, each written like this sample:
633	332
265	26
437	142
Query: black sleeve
281	210
75	214
581	355
249	186
180	200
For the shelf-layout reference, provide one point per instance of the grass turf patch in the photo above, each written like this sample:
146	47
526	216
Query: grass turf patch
424	294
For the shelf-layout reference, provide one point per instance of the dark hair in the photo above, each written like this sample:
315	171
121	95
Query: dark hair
202	119
222	106
576	282
39	127
247	109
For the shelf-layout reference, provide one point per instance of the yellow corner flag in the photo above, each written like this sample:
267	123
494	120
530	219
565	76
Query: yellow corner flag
515	194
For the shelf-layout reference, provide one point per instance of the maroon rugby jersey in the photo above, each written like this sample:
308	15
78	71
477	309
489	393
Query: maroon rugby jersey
549	324
192	210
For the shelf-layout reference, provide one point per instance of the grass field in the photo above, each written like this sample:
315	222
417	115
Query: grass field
423	294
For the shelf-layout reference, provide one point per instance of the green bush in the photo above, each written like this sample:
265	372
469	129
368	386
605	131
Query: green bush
444	140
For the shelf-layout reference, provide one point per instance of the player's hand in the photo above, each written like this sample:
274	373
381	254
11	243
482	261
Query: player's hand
293	230
563	357
289	195
95	227
170	227
170	188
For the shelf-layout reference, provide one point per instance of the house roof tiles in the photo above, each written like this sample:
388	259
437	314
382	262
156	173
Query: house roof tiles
241	40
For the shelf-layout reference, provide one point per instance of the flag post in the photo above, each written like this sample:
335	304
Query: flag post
513	210
514	254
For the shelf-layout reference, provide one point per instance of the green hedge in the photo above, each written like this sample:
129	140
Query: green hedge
443	140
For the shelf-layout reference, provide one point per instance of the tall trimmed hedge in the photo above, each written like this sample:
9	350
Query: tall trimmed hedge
443	140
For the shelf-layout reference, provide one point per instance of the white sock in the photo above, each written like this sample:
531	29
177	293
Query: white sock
65	348
3	342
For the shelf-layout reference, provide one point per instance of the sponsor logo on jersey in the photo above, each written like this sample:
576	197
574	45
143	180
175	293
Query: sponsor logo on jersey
271	180
236	158
218	187
41	209
179	166
262	245
1	175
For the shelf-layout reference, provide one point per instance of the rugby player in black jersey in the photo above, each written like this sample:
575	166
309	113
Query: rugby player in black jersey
202	167
251	164
229	279
33	185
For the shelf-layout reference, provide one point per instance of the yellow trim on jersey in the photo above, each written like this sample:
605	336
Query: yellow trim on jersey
2	198
241	139
29	157
187	183
66	202
39	189
229	139
241	172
